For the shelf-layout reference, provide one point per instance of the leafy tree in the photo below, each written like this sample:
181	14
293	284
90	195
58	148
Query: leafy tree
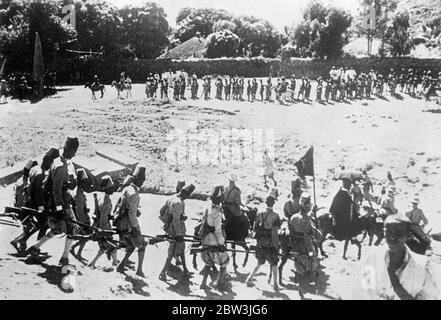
398	36
98	25
224	25
223	43
322	32
145	29
258	36
384	11
200	21
19	24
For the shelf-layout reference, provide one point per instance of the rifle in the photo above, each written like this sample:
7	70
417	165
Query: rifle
161	238
9	223
24	212
9	215
96	229
215	249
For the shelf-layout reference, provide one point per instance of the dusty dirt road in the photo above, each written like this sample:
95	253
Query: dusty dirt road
399	135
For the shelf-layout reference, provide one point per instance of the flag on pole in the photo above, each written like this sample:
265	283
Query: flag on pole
305	166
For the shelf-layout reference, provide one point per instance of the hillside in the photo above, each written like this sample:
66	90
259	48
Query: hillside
425	28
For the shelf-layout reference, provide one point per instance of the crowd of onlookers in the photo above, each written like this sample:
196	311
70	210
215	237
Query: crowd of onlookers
23	86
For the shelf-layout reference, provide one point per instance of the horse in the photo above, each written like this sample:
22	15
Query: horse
121	87
94	88
367	223
237	229
150	89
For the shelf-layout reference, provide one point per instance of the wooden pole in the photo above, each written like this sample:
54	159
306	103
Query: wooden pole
313	179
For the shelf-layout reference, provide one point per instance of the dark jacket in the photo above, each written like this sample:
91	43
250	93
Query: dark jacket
342	212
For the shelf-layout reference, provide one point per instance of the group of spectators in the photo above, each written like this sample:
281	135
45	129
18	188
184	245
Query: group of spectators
23	86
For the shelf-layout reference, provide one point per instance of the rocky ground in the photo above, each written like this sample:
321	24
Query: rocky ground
400	135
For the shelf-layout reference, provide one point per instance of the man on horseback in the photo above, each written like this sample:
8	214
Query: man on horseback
232	198
418	220
96	81
344	216
122	79
387	203
266	229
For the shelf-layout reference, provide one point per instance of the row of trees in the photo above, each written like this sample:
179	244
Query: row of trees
227	34
143	31
129	32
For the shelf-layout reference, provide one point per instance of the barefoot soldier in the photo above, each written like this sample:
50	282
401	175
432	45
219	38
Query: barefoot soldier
266	229
291	207
127	221
303	243
176	229
61	179
22	198
81	211
212	236
103	212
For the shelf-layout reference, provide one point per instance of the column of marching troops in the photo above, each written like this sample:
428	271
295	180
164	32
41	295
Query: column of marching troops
342	84
50	199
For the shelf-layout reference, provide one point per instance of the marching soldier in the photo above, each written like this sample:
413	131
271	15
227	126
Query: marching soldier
291	207
81	210
266	229
22	199
213	237
127	221
61	179
176	229
303	242
102	221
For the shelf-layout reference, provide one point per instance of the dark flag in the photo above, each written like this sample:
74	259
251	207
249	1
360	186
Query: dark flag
305	166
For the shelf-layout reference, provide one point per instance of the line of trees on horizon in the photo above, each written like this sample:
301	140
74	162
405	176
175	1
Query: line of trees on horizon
142	32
